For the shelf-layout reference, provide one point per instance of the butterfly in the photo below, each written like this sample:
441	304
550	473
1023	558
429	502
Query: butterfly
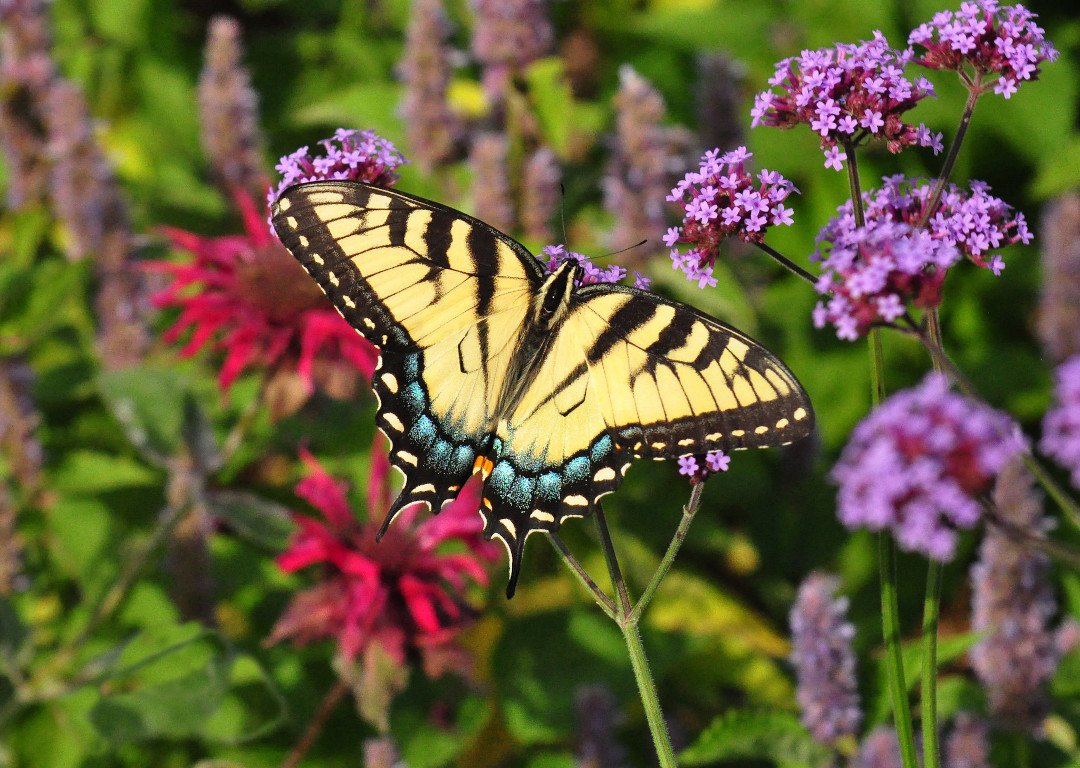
546	388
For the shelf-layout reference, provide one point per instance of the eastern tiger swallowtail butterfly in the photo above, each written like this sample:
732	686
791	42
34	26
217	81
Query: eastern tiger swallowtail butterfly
547	388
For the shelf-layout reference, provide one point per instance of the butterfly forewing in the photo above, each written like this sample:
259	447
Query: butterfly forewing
442	295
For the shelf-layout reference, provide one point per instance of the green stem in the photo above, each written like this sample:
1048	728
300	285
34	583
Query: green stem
890	624
890	611
931	611
650	700
854	184
647	689
950	159
662	569
787	263
576	568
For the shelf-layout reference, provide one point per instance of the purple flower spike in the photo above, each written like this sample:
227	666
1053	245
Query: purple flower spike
824	660
984	39
720	200
359	155
916	464
847	95
1061	425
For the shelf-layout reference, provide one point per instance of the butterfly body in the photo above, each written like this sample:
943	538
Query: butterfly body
546	388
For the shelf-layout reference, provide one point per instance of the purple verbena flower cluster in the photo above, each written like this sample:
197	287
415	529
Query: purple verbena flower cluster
873	272
847	95
359	155
824	661
720	200
985	39
698	468
557	254
917	462
1061	425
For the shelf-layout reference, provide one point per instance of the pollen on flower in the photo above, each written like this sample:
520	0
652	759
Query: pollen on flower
721	199
917	463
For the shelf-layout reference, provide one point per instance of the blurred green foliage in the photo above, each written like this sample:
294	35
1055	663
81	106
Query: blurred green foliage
86	683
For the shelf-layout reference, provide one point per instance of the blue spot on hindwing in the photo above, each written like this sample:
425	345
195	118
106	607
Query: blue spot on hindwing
410	365
549	486
502	475
463	459
600	449
577	469
415	399
438	457
423	431
521	493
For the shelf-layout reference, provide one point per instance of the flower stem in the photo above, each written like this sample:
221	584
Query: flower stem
628	625
855	185
647	689
316	725
890	624
689	511
576	568
931	611
787	263
950	159
890	611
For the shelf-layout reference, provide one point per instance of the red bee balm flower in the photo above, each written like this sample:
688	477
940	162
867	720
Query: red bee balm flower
403	593
247	291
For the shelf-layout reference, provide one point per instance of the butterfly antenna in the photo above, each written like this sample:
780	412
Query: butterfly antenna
562	211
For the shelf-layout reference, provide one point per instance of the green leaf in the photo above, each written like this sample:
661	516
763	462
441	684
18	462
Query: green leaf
775	736
258	521
85	472
949	649
150	402
563	120
184	682
12	631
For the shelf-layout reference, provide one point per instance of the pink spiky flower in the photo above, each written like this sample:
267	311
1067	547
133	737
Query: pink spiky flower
406	593
247	294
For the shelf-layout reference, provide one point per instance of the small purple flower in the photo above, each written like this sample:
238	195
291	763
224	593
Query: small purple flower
720	200
981	39
917	462
824	661
847	95
872	273
359	155
699	467
557	254
1061	425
